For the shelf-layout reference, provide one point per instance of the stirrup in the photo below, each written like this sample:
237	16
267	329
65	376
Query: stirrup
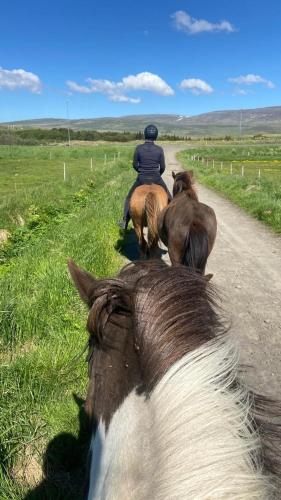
122	224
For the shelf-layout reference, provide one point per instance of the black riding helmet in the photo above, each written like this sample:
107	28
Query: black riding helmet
150	133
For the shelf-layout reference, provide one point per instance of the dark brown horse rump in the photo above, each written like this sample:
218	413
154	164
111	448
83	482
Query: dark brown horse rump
187	227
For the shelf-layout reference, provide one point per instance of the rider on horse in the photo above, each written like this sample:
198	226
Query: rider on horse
149	162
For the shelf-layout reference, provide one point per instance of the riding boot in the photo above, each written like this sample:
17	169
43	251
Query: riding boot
123	223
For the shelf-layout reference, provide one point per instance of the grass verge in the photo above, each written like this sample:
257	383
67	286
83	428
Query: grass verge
43	337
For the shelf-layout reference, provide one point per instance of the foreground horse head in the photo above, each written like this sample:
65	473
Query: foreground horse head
187	227
146	203
172	419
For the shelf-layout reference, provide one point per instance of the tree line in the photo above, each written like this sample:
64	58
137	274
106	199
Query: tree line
36	136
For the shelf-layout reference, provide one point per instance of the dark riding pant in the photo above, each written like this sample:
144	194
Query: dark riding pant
140	180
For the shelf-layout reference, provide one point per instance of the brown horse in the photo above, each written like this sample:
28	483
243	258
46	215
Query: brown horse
146	203
171	417
187	227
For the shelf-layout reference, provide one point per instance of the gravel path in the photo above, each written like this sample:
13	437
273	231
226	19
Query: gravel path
246	262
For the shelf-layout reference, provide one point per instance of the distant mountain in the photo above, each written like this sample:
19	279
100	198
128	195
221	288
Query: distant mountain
250	121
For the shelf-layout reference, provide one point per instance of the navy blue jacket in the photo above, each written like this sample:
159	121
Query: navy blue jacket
149	160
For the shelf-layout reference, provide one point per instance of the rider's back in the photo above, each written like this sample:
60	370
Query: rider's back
149	159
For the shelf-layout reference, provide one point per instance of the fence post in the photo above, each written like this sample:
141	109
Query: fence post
231	168
50	155
213	163
64	172
242	170
105	159
259	174
91	163
221	164
118	155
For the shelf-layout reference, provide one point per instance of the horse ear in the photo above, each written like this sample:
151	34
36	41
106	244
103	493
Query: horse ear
173	174
208	277
84	282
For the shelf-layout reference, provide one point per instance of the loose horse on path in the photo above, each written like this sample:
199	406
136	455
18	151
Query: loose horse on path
171	418
187	227
146	203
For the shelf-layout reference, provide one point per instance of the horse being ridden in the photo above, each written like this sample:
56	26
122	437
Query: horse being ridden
171	416
187	227
146	203
149	162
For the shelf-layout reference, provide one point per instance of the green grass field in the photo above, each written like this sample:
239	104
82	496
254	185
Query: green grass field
248	175
35	175
42	320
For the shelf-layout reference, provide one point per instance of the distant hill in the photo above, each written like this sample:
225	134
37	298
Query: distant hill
253	121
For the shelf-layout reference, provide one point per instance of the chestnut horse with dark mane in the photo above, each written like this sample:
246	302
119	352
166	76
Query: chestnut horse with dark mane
171	416
146	203
187	227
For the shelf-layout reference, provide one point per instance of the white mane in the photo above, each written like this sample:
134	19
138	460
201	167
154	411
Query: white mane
192	439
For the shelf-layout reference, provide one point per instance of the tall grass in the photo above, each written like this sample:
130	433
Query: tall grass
43	336
35	176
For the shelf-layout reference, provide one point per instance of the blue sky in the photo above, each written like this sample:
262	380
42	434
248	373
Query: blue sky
113	58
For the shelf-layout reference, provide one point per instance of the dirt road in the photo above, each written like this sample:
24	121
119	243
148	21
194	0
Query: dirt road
246	262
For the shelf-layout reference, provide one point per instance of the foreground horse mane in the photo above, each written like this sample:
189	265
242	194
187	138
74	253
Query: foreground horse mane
190	428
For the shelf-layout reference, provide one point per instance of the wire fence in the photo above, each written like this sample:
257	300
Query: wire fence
256	170
53	169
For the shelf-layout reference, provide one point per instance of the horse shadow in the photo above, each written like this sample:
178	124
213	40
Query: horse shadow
65	464
127	245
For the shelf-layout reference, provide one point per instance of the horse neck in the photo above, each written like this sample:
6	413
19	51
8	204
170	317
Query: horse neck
191	193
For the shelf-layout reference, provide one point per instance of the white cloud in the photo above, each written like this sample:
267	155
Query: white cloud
184	22
20	79
116	91
74	87
196	86
147	81
251	79
241	92
104	86
124	98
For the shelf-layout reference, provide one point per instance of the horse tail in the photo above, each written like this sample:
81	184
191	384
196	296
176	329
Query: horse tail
196	248
152	210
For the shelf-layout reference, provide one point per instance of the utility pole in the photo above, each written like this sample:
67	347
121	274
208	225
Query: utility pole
240	123
67	115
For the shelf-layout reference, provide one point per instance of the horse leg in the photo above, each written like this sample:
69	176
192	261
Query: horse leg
161	227
176	246
141	240
175	255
